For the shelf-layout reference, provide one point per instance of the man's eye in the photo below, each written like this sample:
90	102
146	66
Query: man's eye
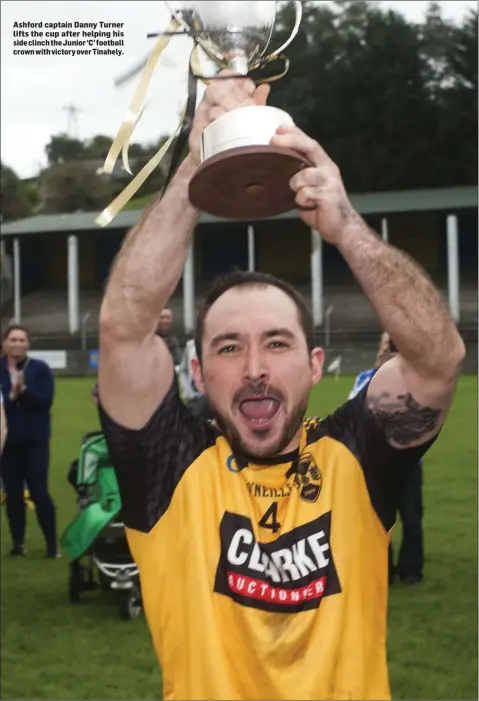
228	349
277	344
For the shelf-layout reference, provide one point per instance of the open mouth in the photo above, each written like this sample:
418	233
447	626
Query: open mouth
259	412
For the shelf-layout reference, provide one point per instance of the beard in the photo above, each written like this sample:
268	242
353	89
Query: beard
239	446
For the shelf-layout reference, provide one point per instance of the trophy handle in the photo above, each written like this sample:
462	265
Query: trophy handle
298	6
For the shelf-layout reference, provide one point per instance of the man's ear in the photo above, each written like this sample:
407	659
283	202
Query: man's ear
317	362
197	374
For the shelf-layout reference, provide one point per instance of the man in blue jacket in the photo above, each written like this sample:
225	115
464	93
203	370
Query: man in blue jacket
27	388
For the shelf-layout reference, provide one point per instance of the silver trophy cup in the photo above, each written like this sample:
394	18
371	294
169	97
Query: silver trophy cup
241	175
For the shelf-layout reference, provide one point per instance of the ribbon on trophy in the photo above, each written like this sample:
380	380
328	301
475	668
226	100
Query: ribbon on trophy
121	142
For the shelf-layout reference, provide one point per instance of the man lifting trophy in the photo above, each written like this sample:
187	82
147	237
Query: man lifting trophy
262	537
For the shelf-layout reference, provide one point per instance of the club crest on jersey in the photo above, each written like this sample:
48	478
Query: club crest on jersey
289	575
307	478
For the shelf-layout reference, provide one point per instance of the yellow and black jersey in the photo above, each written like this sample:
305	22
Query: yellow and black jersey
268	580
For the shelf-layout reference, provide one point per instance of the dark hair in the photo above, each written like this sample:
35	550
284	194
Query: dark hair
15	327
239	278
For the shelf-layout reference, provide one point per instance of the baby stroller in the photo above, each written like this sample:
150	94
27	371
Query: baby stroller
95	541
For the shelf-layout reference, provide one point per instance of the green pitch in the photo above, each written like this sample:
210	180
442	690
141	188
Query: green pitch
53	650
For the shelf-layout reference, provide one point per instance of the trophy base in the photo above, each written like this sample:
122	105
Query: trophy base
247	182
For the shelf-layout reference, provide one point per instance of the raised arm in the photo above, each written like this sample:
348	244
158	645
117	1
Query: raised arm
136	368
411	394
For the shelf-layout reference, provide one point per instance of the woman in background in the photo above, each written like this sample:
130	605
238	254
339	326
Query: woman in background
3	428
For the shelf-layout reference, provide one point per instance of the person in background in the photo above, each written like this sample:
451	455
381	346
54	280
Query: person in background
94	394
386	350
3	428
189	392
410	564
28	389
163	330
3	436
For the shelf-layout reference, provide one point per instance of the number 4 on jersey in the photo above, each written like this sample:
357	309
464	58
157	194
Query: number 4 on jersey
270	518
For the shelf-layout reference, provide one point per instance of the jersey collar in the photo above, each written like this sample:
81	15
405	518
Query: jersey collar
283	459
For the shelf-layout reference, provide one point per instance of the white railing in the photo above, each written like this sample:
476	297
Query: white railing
327	325
83	330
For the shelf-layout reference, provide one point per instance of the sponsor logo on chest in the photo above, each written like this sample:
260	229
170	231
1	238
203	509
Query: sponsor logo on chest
291	574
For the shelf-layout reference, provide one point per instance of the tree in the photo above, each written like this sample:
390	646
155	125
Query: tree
463	54
72	187
139	156
437	38
15	200
77	162
96	148
365	85
63	148
458	141
383	96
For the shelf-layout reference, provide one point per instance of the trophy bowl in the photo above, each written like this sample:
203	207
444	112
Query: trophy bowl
241	176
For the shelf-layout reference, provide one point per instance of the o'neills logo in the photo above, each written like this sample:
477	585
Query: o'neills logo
290	575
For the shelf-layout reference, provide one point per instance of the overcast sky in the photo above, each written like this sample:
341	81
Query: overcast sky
36	89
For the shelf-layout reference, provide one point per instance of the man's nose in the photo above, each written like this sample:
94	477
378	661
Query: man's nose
255	365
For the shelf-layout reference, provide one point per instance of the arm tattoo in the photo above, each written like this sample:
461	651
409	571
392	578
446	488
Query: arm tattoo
402	419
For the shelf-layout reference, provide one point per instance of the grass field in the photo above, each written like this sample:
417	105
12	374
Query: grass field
53	650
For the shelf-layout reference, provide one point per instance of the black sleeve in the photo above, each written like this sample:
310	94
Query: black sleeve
386	469
150	462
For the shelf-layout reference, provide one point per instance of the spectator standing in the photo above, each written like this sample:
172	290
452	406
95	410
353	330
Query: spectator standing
3	427
410	564
28	389
3	436
163	330
94	394
365	377
190	394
